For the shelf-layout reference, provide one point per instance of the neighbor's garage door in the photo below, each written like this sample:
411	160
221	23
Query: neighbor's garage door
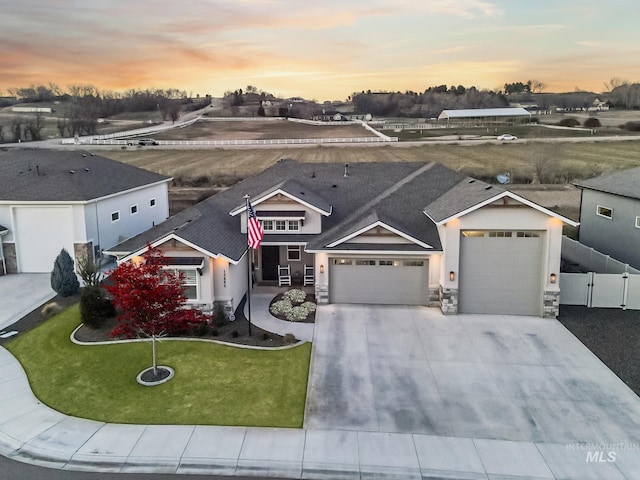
378	281
500	272
40	234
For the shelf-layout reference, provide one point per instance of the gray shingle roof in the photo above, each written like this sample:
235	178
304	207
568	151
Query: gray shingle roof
625	183
393	193
460	197
46	175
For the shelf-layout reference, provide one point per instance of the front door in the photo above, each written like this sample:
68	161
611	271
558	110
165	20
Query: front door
270	261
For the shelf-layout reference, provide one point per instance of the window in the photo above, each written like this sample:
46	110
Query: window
152	202
189	281
341	261
115	216
267	225
605	211
472	233
500	234
134	209
293	253
528	234
413	263
386	263
637	222
366	262
294	225
281	225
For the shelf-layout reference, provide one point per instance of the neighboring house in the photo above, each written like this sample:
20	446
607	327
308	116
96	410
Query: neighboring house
610	215
376	233
72	199
486	115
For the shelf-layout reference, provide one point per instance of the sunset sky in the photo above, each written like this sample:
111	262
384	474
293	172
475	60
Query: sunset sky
323	50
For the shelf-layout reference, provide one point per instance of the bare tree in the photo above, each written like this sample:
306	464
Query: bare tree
537	86
542	158
16	128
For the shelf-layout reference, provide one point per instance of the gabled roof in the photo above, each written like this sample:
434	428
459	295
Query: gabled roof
484	112
470	195
36	175
295	191
625	183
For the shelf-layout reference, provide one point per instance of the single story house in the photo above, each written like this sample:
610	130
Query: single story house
375	233
72	199
610	215
507	115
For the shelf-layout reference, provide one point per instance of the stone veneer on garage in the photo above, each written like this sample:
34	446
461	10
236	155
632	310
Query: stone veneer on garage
551	304
448	300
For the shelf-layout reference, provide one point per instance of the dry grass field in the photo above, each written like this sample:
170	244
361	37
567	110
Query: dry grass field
261	130
566	162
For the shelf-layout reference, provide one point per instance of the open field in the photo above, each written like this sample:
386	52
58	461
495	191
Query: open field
261	130
567	161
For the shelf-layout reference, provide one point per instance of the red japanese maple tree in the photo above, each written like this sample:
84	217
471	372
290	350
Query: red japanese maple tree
150	300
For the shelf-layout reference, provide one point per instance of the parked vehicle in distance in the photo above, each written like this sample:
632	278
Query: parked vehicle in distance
147	141
506	137
144	141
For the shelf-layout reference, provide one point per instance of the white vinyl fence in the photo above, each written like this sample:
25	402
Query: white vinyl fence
600	290
610	284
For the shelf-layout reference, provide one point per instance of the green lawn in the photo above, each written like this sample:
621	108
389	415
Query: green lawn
213	384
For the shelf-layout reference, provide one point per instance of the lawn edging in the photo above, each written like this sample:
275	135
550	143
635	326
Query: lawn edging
73	339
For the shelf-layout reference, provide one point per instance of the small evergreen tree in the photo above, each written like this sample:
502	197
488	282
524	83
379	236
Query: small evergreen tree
63	277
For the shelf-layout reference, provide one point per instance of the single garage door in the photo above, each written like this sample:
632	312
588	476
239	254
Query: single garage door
501	272
379	281
40	234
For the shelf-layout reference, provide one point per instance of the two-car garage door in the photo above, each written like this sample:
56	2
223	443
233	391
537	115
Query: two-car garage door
501	272
378	281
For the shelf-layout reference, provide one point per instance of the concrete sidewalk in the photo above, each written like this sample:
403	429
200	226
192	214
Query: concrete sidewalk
34	433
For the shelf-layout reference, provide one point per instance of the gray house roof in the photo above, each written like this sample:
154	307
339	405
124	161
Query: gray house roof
460	197
625	183
392	193
36	175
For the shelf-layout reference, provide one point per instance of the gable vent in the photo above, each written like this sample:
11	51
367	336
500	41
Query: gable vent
471	181
488	187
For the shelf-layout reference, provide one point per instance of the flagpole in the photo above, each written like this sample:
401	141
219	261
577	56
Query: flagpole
246	197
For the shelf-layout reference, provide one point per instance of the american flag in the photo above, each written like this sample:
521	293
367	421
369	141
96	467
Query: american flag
255	229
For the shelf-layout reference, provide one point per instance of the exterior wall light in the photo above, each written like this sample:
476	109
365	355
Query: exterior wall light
553	278
321	268
452	276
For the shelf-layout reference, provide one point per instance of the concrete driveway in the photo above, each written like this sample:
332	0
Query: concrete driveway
22	293
413	370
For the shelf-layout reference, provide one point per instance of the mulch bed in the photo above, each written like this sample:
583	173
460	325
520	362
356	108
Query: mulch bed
612	334
230	332
311	318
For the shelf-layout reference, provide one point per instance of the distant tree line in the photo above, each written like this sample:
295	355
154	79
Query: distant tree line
427	104
80	107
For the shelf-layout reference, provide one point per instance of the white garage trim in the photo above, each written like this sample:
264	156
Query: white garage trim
379	280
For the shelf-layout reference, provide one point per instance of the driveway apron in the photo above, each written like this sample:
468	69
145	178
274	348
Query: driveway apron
413	370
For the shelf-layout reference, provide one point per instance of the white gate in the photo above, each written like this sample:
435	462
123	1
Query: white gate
600	290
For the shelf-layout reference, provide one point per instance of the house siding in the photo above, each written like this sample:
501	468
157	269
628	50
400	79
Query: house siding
106	233
618	236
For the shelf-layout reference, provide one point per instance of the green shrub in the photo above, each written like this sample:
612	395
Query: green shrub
95	307
592	123
295	296
569	122
63	277
50	309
